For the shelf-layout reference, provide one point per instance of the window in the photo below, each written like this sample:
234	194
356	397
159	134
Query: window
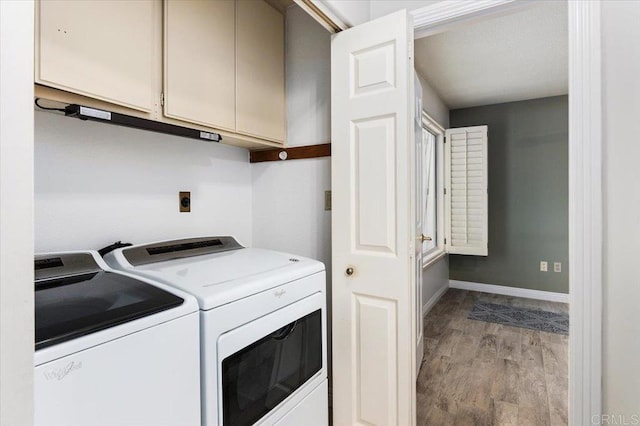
432	181
429	227
453	190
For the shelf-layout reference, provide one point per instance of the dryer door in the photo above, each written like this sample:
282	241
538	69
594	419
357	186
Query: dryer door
269	359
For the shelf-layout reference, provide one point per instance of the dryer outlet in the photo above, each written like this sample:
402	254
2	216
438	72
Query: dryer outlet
184	201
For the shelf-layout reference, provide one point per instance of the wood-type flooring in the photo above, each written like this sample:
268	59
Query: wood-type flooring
480	373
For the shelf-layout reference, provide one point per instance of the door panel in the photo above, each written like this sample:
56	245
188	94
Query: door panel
372	69
102	49
374	172
260	93
376	324
373	224
199	70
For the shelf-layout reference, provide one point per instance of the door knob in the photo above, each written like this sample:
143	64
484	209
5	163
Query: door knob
424	238
349	271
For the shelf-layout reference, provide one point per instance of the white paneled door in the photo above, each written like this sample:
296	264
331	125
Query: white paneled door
373	223
419	203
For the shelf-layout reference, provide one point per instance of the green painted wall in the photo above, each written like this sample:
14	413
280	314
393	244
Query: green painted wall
528	194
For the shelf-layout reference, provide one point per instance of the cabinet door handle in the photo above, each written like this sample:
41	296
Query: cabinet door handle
424	238
349	271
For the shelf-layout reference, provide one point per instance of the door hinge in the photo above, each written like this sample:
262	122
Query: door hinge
445	191
162	99
445	241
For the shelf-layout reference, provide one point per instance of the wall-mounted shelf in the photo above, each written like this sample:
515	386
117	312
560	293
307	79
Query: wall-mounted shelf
294	153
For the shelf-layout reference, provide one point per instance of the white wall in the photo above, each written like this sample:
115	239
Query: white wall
621	98
308	80
16	217
434	278
380	8
289	210
433	104
97	183
355	12
288	196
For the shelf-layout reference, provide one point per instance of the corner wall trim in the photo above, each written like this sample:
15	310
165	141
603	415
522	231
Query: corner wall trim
434	299
441	16
585	212
323	14
510	291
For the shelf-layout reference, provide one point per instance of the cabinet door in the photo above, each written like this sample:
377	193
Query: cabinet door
260	107
199	69
102	49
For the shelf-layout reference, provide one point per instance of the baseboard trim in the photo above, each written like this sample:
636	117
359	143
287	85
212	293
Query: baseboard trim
510	291
434	299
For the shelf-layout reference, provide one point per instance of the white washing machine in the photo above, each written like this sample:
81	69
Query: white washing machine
263	327
112	349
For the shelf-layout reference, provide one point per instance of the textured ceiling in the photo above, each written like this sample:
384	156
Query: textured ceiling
509	58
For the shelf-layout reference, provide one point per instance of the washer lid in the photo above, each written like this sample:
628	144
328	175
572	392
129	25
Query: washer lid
222	277
88	299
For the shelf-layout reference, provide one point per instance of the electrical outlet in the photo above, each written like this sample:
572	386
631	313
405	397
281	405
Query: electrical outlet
557	267
184	201
543	266
327	200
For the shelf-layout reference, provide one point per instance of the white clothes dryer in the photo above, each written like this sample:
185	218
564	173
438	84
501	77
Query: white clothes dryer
263	326
111	348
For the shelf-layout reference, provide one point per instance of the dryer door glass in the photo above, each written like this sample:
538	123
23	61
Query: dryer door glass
260	376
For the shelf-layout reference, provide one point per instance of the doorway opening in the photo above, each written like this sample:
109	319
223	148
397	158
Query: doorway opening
584	158
496	321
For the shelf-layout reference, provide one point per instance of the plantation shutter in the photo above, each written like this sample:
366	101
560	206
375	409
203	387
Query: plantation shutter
466	191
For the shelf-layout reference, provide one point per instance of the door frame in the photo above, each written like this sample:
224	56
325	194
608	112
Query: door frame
585	183
16	212
585	175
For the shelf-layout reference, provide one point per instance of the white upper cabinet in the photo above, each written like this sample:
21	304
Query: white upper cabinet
213	65
260	92
199	66
105	50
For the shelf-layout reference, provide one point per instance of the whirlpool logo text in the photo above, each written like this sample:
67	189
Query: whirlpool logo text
61	373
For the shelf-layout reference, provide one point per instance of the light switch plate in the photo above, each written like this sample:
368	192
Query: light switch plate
543	266
327	200
557	267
